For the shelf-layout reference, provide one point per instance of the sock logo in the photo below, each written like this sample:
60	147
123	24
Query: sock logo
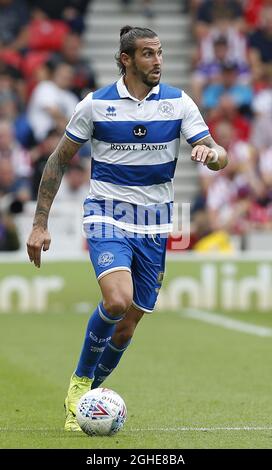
98	340
97	350
93	337
105	259
104	368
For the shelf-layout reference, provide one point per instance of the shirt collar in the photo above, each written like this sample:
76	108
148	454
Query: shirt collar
124	93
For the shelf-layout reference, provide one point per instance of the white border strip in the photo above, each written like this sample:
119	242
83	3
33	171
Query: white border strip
55	255
160	429
49	257
199	429
227	322
235	256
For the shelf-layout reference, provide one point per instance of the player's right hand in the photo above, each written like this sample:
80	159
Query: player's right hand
38	239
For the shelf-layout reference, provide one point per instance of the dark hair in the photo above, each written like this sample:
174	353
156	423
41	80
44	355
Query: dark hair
128	37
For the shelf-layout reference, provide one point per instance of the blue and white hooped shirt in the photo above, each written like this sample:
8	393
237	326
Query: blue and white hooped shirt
135	147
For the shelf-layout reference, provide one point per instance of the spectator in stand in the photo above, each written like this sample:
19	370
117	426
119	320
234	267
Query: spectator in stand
240	198
39	157
11	149
9	99
191	6
237	44
75	184
70	11
241	151
225	132
260	44
227	111
265	169
262	103
229	204
14	18
208	240
216	18
12	88
253	12
12	189
261	135
84	77
12	103
260	210
211	12
52	102
229	196
209	71
9	240
241	94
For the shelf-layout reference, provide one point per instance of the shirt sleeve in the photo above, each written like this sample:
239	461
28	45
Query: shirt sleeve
80	127
193	126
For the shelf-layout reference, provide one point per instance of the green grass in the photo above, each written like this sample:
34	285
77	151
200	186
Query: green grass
177	373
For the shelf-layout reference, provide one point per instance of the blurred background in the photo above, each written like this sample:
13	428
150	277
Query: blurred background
219	51
211	334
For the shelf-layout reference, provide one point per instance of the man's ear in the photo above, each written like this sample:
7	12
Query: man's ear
125	59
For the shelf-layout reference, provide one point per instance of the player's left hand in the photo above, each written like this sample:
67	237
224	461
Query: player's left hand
202	154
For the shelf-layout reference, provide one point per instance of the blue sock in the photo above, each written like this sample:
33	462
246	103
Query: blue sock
107	363
99	331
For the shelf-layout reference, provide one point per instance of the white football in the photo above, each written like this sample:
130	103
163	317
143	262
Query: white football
101	412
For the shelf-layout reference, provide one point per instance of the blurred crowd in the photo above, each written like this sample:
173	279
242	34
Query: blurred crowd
43	76
232	85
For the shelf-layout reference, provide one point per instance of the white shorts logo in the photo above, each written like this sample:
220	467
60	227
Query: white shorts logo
105	259
166	109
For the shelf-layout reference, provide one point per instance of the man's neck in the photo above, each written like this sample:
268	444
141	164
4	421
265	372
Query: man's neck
136	89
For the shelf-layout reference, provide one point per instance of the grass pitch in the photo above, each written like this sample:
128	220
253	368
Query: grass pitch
186	384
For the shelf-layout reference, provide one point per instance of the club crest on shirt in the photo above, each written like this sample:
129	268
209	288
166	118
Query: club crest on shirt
166	109
140	131
105	259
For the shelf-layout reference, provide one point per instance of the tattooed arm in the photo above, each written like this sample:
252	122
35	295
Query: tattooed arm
53	172
208	152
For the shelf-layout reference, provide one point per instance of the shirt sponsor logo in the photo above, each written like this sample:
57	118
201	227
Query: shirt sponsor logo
140	131
166	109
135	147
105	259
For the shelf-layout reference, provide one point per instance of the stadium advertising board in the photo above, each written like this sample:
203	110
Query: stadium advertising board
206	283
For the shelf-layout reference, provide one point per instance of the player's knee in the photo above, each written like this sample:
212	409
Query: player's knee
118	305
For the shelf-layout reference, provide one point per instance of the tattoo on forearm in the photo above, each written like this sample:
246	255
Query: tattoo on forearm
51	179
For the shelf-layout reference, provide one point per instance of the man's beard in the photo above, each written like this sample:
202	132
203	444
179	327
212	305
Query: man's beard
145	77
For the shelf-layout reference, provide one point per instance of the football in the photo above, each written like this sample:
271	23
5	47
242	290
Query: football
101	412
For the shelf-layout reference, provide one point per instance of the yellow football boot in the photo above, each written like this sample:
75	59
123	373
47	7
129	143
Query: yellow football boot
78	386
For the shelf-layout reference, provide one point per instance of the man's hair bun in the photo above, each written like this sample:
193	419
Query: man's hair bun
125	30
